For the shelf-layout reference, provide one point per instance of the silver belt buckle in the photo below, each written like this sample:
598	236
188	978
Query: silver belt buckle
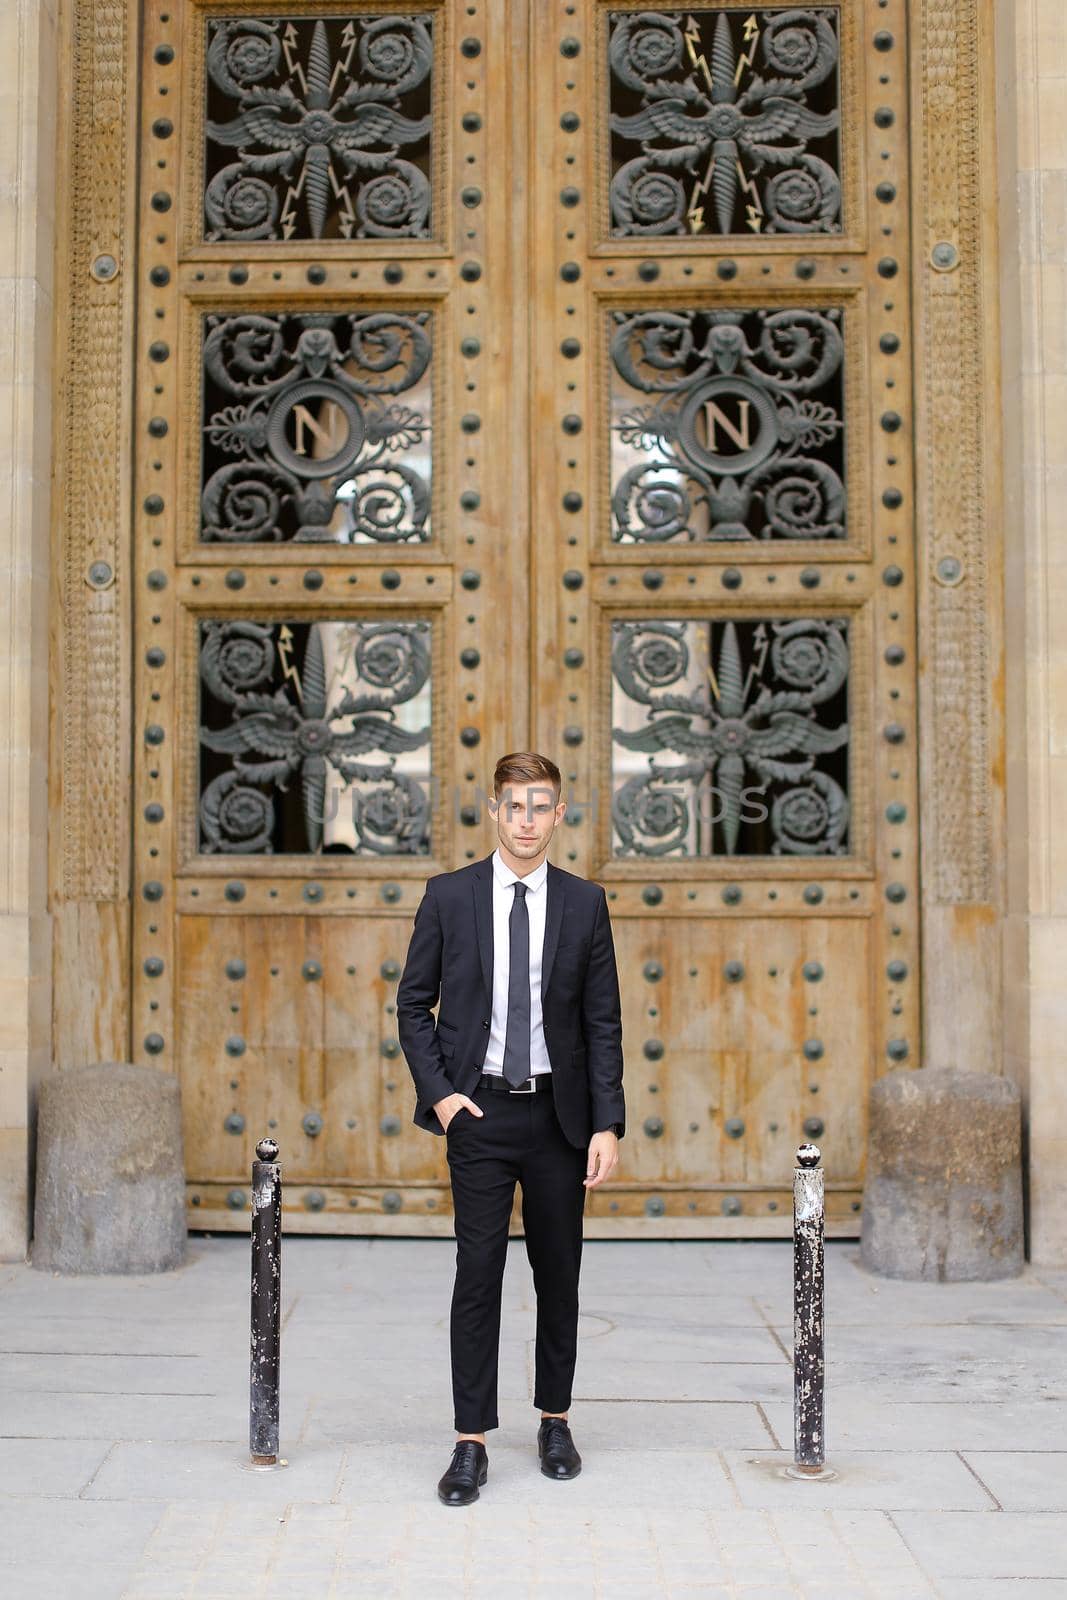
531	1090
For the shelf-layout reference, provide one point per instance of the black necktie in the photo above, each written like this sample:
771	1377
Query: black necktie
517	1034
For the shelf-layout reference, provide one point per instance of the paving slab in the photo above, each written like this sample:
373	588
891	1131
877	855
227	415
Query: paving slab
863	1422
856	1296
920	1381
681	1380
681	1308
51	1373
906	1343
200	1471
53	1582
1009	1544
888	1481
1054	1278
1002	1589
40	1467
609	1478
116	1334
599	1425
666	1345
307	1346
1024	1480
70	1533
34	1414
123	1420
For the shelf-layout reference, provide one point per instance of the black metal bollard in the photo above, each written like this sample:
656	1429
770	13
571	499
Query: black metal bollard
809	1438
266	1304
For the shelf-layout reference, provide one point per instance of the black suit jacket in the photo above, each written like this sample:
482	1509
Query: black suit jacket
451	955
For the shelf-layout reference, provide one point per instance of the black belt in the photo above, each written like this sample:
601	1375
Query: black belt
536	1084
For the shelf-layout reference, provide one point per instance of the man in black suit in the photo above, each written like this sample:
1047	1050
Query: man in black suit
523	1074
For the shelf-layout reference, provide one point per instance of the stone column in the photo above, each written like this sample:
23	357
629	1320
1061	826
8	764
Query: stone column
28	66
1032	149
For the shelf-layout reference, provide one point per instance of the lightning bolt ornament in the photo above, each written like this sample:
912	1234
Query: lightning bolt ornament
289	667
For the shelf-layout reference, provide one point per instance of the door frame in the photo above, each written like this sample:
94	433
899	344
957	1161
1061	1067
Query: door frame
955	415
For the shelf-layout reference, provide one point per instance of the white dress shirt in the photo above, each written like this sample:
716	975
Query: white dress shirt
503	900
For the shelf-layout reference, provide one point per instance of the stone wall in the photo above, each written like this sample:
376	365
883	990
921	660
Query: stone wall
1029	190
29	73
1032	151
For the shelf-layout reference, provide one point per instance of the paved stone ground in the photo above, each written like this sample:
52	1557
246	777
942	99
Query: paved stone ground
124	1429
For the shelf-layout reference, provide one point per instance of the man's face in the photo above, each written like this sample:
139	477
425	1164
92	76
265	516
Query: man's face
527	816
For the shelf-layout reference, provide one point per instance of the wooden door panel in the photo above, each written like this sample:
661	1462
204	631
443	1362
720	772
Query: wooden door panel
330	639
297	1033
726	619
572	415
730	1047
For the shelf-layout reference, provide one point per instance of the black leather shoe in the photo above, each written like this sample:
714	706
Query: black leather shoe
468	1468
559	1458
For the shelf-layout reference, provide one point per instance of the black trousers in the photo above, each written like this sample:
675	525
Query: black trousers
517	1138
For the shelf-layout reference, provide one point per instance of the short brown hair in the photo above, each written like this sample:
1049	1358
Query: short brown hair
526	766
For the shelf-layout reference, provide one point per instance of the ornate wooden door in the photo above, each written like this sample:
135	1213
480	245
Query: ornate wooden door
721	372
524	377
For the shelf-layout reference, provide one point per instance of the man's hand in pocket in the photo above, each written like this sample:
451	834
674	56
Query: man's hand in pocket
447	1108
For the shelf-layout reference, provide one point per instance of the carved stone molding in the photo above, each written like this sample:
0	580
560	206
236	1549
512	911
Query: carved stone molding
955	378
94	354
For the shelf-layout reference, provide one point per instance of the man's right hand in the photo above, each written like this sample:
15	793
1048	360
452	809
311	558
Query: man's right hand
447	1108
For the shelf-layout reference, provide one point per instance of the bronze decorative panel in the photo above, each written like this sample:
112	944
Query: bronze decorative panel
725	121
727	425
316	427
318	128
315	737
730	737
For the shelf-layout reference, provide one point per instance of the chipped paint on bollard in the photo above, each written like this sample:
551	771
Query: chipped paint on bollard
809	1437
266	1305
